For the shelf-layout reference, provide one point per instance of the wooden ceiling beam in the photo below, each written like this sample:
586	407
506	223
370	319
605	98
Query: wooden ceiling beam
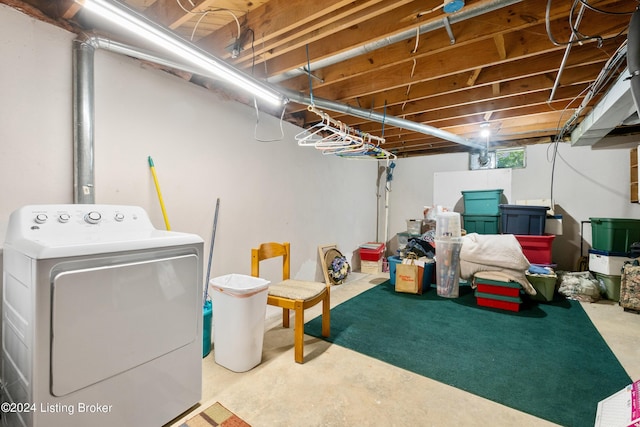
46	10
453	61
273	19
516	18
474	119
499	41
343	20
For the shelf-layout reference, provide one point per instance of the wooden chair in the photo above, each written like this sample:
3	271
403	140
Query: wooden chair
292	294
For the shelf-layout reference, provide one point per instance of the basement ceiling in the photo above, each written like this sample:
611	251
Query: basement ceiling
456	66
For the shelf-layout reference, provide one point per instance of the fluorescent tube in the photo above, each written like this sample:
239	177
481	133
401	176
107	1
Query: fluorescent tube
134	22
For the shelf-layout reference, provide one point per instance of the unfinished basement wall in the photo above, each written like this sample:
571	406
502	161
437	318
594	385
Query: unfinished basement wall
203	146
587	183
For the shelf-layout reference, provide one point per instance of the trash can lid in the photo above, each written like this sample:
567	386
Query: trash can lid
239	283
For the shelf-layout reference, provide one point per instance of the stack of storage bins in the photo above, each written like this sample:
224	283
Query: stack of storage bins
481	211
504	295
611	240
528	224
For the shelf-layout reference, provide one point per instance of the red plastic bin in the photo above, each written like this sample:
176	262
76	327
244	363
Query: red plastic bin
537	249
498	301
371	251
508	289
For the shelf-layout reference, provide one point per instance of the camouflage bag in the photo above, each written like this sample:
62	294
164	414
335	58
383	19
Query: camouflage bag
630	287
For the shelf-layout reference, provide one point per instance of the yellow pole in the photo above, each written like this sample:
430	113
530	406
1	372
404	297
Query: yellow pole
155	180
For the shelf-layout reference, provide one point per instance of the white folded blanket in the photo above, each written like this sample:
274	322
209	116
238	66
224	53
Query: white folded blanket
494	252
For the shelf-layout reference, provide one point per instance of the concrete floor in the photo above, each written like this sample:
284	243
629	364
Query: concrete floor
338	387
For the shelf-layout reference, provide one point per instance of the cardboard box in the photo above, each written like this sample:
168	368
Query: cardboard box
371	267
621	409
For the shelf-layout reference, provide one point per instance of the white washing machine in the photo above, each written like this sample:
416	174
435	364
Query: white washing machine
102	318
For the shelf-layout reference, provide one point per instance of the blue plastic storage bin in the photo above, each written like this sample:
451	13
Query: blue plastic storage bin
523	219
393	261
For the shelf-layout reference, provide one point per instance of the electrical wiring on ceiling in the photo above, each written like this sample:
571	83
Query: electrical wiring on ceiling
205	13
579	37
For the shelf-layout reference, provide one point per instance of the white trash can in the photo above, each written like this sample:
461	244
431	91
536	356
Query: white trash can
239	309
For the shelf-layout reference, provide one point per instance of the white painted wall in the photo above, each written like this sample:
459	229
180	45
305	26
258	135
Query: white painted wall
203	147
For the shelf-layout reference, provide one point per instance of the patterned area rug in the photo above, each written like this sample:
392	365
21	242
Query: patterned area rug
215	415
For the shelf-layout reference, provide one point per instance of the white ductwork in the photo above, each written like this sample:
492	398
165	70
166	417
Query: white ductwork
614	109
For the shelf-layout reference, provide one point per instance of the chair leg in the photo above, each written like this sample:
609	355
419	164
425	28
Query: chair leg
285	317
326	317
298	333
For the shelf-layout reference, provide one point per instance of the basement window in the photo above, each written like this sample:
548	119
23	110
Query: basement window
511	158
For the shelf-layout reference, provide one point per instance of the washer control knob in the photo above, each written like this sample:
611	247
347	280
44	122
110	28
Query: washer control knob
93	217
41	218
119	217
64	218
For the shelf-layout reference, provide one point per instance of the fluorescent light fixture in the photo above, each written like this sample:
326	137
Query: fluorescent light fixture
132	21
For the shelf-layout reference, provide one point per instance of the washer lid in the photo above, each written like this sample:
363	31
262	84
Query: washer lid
51	231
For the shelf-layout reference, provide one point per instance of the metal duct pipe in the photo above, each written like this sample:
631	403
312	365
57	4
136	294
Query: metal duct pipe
292	95
466	13
83	120
377	117
142	54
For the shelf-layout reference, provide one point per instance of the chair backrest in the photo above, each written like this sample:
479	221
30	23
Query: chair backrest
271	250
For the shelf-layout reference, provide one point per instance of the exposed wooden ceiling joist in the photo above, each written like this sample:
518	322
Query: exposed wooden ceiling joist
397	57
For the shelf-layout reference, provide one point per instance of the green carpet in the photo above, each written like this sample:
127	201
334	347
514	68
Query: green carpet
547	360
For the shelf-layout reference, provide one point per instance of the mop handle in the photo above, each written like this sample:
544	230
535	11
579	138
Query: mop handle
155	180
213	238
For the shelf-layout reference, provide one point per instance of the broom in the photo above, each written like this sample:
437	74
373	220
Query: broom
213	238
